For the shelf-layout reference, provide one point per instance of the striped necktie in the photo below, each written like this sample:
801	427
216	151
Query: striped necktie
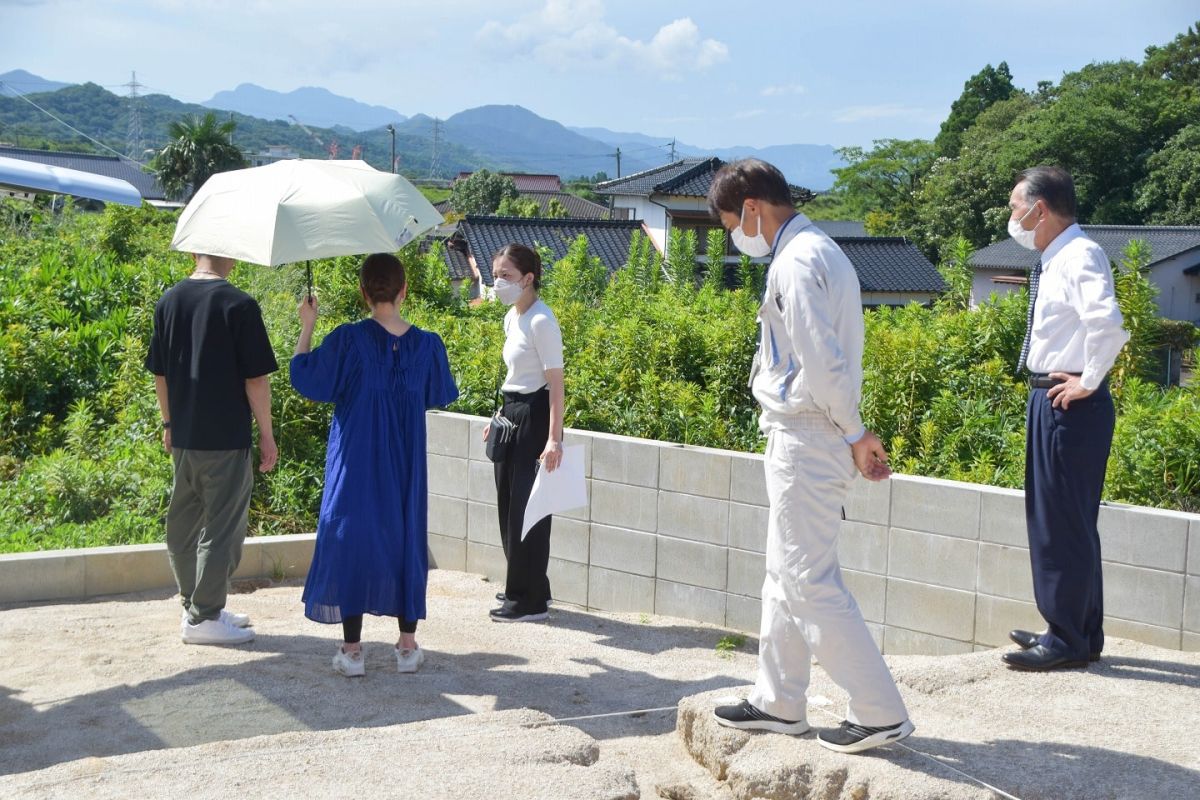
1035	276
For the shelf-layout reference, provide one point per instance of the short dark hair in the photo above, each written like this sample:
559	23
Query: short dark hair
1053	186
525	259
746	179
381	277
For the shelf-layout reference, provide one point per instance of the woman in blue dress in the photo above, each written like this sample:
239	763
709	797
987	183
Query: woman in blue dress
381	374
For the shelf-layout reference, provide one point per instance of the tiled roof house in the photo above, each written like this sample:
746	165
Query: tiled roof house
1174	267
109	166
891	271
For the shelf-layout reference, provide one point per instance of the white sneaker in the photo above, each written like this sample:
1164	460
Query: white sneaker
214	631
349	664
231	617
409	660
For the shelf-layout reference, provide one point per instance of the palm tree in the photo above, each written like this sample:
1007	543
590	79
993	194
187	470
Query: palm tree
200	147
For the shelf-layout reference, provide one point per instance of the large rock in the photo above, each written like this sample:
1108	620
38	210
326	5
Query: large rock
500	754
768	766
1123	728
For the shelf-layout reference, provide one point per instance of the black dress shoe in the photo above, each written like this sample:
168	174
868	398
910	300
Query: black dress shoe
1024	639
1039	659
1027	639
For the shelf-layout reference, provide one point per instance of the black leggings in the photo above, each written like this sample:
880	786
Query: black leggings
352	628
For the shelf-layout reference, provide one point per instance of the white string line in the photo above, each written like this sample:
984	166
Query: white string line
535	724
937	761
17	93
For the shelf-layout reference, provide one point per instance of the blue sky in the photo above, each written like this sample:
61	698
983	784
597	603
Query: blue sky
712	74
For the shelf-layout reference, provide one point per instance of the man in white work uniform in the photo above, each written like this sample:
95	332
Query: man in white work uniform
807	376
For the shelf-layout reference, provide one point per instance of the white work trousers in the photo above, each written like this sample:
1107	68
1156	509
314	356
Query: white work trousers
806	608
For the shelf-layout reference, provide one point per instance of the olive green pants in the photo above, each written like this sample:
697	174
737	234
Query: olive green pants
206	525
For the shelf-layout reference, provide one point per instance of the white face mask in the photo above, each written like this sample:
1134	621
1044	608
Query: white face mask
508	292
1020	235
754	246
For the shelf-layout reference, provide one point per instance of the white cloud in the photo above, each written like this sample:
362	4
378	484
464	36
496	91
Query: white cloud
880	111
750	113
783	89
571	33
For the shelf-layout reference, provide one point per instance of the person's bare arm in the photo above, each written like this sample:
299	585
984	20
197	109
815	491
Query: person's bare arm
258	392
552	454
160	389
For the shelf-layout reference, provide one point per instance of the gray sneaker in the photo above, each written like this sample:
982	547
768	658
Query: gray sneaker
214	631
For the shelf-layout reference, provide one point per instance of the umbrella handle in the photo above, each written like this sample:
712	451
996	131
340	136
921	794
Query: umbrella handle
308	273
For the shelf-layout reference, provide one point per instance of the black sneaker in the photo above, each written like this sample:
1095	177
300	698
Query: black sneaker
501	597
851	738
748	718
507	613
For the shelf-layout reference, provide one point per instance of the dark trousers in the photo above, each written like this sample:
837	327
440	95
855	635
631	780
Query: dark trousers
206	525
526	585
1065	459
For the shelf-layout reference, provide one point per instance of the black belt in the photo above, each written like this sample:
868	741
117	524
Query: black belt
1041	380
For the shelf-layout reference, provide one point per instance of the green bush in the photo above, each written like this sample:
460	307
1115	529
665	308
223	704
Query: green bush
648	354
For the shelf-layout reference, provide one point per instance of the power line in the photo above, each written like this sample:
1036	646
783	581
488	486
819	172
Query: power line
69	126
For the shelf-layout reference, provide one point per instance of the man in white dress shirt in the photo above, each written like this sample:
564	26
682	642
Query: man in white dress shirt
1073	336
807	376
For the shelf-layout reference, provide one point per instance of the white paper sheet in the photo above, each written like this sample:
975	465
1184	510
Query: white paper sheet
557	491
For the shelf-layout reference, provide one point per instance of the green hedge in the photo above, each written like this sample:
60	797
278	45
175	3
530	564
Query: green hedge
650	353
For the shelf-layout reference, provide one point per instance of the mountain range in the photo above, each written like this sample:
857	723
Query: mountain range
498	137
310	104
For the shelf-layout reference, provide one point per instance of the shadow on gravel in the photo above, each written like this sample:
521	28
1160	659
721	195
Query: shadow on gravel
1048	770
291	687
1147	669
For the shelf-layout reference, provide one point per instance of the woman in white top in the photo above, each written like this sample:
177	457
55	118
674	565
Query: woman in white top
533	400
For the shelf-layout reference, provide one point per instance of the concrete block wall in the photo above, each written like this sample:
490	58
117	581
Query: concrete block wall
936	566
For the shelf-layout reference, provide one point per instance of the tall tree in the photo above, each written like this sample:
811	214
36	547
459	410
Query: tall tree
883	178
1177	61
982	90
1170	192
481	192
200	147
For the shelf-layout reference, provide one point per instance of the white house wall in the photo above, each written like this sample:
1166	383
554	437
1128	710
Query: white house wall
1177	292
983	285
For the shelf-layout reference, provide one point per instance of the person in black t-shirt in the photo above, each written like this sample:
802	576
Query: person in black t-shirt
211	360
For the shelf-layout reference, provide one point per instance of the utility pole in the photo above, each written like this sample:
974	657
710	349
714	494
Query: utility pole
392	130
434	164
618	162
134	144
672	151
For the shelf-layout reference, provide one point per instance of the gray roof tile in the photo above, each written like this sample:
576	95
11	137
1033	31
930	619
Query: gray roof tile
607	239
890	264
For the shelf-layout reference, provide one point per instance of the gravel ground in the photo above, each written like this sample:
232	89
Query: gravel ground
100	699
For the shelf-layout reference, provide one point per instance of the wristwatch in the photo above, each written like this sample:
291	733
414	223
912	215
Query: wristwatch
166	424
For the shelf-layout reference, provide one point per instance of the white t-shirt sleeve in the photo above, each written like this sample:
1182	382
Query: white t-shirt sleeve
547	339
